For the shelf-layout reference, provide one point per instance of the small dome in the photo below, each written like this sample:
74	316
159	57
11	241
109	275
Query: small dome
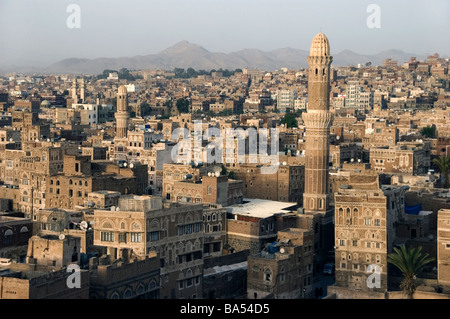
320	46
122	89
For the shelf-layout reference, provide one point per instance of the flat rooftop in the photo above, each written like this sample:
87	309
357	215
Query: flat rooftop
261	208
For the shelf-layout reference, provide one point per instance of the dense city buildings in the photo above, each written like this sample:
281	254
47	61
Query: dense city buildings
246	184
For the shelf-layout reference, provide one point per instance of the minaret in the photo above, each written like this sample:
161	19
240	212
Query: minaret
317	121
122	113
82	93
74	91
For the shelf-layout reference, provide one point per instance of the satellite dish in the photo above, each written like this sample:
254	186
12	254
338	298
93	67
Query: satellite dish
282	250
62	236
209	173
84	225
125	164
217	174
113	208
131	165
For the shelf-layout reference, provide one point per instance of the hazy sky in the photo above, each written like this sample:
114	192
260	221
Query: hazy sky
35	32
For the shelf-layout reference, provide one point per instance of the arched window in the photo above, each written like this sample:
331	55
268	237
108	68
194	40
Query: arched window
107	225
115	295
140	289
128	293
267	275
8	237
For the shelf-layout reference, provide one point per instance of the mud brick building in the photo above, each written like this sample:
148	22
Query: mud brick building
284	268
136	278
14	235
142	225
366	215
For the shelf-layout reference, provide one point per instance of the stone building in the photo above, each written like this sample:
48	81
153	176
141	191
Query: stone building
136	278
28	170
380	133
211	189
405	157
14	235
31	281
55	251
285	185
142	225
284	268
253	224
365	230
225	276
80	177
178	172
443	247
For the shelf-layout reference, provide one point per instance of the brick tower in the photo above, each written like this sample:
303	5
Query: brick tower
121	138
317	121
122	113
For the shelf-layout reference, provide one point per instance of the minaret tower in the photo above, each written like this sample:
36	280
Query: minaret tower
74	91
317	121
82	93
122	113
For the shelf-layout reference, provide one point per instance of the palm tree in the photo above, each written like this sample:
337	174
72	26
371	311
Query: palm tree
409	262
443	162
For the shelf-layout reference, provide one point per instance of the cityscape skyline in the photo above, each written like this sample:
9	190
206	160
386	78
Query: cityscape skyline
42	35
278	150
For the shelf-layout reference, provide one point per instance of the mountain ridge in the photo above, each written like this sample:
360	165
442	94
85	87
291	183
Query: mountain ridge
185	54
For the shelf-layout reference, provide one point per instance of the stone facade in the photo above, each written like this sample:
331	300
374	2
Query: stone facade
286	184
284	269
28	281
14	235
142	225
443	247
317	121
134	279
365	219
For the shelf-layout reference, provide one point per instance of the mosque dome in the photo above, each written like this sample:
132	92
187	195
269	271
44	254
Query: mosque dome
45	103
320	46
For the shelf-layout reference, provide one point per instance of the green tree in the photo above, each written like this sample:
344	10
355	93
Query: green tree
145	109
289	120
168	105
428	131
182	105
409	262
443	163
179	73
